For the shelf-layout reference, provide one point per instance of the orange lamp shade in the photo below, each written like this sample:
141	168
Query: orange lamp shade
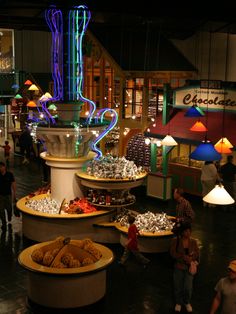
198	127
28	82
222	148
31	104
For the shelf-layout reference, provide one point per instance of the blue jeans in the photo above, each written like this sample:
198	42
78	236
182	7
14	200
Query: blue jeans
183	284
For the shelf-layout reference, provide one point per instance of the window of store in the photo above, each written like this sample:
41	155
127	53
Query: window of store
6	50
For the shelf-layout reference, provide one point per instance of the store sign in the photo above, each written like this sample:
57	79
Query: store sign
211	99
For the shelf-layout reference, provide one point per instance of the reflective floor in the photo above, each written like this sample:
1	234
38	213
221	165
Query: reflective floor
130	290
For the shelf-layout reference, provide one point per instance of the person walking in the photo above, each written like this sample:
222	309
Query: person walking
225	296
184	210
209	176
132	244
184	250
227	173
7	194
7	149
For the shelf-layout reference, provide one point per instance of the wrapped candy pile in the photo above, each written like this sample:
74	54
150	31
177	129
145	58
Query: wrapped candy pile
148	222
113	168
44	205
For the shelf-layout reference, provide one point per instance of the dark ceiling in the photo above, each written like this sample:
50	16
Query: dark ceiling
176	20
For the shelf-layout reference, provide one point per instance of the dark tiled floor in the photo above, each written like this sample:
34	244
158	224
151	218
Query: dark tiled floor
132	290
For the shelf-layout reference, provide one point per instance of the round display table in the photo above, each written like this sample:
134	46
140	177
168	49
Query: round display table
66	287
148	242
40	226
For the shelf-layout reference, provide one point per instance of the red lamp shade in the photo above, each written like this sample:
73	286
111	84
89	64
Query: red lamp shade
222	148
28	82
198	127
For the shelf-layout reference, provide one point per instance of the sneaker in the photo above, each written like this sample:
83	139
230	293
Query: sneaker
178	308
189	308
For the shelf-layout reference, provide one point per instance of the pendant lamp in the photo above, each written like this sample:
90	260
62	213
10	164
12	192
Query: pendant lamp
194	111
206	152
31	104
168	140
28	82
218	196
226	142
198	127
33	87
222	147
18	96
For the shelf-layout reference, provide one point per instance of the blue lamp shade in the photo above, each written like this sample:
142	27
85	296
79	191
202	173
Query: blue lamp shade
206	152
194	111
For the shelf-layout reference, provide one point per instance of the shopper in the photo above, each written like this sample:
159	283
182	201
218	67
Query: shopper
131	247
26	145
184	250
226	292
7	149
209	176
228	172
184	211
7	194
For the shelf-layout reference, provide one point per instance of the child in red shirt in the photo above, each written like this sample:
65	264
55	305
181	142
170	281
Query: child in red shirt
7	149
132	244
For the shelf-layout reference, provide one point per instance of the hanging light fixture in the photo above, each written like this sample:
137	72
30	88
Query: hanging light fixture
33	87
218	196
28	82
222	147
194	111
205	152
198	127
31	104
18	96
168	140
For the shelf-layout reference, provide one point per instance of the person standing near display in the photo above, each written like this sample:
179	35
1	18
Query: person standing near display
228	172
132	244
7	194
184	211
209	176
184	250
226	292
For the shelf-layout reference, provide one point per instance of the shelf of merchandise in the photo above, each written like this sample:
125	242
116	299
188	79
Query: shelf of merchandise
65	287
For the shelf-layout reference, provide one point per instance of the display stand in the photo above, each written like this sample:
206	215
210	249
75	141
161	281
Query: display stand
65	287
39	226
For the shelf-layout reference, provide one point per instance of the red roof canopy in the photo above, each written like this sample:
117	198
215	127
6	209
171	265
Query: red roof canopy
179	127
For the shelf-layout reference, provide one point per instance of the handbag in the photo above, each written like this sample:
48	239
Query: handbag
193	267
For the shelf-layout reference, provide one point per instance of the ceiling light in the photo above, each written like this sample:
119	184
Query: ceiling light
206	152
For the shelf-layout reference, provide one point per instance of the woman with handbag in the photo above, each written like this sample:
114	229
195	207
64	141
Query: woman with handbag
184	250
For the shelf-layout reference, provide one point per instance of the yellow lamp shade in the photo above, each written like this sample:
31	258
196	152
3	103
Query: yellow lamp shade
226	141
33	87
222	148
198	127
